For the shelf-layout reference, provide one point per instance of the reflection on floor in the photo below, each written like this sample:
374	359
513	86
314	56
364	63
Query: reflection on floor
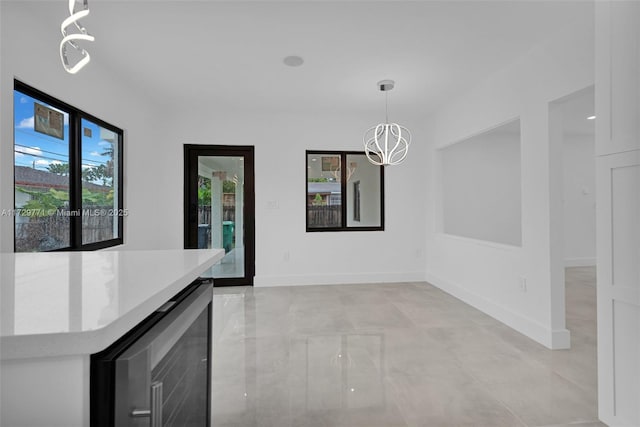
394	355
232	265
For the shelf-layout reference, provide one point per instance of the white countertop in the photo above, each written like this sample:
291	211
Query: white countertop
71	303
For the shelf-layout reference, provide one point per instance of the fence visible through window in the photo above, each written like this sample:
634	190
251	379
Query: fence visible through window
204	214
324	216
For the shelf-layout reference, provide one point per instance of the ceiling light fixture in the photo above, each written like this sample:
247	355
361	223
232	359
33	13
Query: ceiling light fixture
386	143
591	118
69	40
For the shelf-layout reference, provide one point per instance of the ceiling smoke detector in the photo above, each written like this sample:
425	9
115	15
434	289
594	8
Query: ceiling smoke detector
293	61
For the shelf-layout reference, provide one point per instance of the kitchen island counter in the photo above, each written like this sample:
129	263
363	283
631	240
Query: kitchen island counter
58	308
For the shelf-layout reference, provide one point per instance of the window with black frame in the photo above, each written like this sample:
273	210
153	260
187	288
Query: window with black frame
344	192
67	176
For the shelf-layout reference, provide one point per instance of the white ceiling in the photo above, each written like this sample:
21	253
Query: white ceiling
229	53
231	165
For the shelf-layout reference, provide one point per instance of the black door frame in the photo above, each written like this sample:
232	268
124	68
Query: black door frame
191	154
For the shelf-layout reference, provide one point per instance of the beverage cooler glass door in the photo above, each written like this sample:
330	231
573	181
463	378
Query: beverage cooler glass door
163	378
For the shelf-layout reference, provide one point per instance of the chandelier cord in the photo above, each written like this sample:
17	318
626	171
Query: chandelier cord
386	106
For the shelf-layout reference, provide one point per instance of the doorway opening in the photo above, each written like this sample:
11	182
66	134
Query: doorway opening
220	208
573	227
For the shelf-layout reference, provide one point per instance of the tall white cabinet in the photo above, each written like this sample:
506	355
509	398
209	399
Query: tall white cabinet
618	212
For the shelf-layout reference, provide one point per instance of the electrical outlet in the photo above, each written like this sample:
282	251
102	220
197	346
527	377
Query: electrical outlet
523	283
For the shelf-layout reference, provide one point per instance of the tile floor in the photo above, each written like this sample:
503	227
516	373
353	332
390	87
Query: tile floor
393	355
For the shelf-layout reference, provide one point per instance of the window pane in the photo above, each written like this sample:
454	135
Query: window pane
324	193
41	159
99	183
363	192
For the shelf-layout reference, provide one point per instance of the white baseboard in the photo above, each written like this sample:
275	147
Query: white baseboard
560	339
580	262
337	279
554	340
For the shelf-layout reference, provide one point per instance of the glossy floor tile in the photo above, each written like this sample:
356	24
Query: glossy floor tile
396	354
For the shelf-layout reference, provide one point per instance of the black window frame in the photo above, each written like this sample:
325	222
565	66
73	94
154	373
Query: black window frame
343	193
75	170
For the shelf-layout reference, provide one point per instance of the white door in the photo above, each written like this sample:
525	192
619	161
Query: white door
618	216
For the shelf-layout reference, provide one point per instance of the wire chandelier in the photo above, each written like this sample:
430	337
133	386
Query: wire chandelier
386	143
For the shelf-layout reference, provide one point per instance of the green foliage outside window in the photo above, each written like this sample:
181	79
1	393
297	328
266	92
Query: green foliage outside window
318	200
204	190
46	203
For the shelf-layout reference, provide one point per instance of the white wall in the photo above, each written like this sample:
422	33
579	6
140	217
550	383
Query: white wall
30	54
579	169
285	253
481	194
493	274
153	183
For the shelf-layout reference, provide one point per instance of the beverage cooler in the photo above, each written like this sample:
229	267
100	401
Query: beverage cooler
159	373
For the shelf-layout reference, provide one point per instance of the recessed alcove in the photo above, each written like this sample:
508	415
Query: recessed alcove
481	186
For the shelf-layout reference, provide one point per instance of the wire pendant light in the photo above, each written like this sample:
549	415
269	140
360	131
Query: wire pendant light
386	143
69	40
